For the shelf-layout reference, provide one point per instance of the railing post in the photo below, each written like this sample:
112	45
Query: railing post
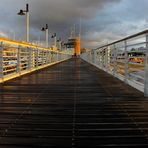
106	59
37	57
30	59
33	58
1	60
42	57
126	63
146	69
95	56
51	56
90	56
99	58
18	67
102	59
48	57
57	57
115	61
60	57
86	56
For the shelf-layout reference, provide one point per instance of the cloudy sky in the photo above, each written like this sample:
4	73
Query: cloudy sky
102	21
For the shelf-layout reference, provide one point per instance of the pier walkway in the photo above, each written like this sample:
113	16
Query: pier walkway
72	105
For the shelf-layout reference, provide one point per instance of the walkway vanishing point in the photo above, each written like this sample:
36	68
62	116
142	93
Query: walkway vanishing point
72	105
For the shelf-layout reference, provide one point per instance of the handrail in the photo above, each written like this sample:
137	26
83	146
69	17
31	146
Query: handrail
19	58
126	38
128	62
25	44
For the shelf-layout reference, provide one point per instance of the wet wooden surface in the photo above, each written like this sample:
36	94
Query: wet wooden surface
72	105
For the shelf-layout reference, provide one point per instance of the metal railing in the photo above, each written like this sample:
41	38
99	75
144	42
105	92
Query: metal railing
126	59
18	58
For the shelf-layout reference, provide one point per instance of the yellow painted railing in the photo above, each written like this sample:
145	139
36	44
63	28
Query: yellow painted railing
19	58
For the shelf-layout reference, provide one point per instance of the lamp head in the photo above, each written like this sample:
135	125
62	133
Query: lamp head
46	26
43	29
21	12
27	7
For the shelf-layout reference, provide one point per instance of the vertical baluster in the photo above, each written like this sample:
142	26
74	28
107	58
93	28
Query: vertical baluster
18	66
146	69
1	60
126	63
115	60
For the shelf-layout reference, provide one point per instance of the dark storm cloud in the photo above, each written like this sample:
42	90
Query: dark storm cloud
59	14
101	19
62	13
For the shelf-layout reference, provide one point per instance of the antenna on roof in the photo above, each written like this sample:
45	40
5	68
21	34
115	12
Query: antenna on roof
80	27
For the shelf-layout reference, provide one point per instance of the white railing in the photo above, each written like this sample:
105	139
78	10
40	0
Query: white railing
18	58
126	59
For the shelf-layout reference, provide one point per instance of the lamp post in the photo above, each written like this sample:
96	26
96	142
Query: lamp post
54	36
46	34
59	41
26	12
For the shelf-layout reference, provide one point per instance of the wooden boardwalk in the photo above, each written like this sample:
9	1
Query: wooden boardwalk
72	105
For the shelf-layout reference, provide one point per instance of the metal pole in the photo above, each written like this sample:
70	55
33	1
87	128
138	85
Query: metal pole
102	59
95	52
90	56
106	59
1	60
115	61
55	41
37	57
27	23
18	60
74	30
42	57
60	45
109	58
146	70
46	36
126	63
48	57
57	57
30	58
99	60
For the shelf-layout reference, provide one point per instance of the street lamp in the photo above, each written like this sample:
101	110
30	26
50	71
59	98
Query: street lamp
46	33
54	36
26	12
59	41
